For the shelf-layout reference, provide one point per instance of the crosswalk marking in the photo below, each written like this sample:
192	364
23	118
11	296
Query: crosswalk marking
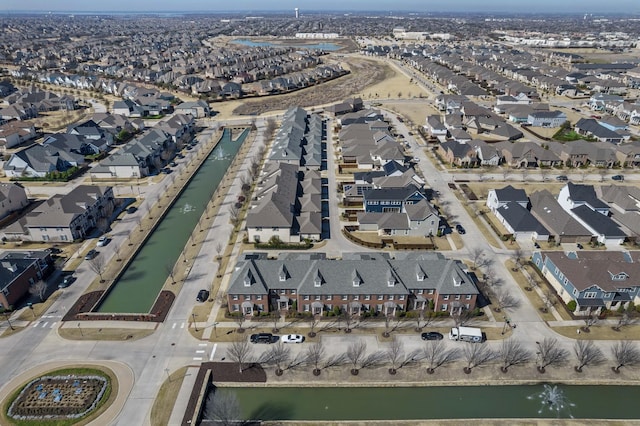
35	324
53	324
202	344
182	325
197	358
200	352
45	324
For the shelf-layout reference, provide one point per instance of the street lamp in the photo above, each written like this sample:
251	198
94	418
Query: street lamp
30	305
215	333
79	328
166	370
195	324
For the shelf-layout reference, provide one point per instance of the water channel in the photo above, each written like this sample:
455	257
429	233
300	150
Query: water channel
142	280
300	45
434	402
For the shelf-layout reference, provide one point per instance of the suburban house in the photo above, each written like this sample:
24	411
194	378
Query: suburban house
436	128
497	198
595	280
287	205
18	271
546	118
357	283
527	155
299	139
458	153
65	218
13	198
486	154
93	134
562	227
419	219
590	127
41	160
581	202
13	133
625	206
520	222
391	199
198	109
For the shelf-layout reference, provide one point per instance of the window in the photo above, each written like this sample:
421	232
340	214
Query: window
305	308
247	297
401	297
236	308
305	297
575	292
445	297
390	297
293	292
283	291
367	297
420	291
259	297
443	308
345	297
356	297
590	295
457	297
235	297
380	297
317	297
328	297
468	297
430	291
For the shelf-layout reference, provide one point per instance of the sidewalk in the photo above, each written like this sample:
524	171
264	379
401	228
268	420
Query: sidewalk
182	400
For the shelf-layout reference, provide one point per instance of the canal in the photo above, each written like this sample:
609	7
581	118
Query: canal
142	280
436	402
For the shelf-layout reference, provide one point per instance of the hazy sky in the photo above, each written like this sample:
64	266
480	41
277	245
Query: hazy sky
579	6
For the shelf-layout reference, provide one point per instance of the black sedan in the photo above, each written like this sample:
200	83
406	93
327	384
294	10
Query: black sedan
460	229
431	335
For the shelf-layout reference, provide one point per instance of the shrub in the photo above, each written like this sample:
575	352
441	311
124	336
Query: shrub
572	305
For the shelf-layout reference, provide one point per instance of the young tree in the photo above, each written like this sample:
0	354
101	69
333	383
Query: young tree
587	353
313	321
239	318
218	249
625	319
398	358
476	355
550	354
549	299
234	214
240	353
348	318
437	355
169	268
512	353
278	355
626	354
518	257
39	289
356	352
506	300
97	265
315	354
275	319
589	321
223	407
477	253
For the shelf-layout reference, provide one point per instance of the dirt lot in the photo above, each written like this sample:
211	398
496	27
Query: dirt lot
416	111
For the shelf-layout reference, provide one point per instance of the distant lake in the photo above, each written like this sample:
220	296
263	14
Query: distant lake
302	45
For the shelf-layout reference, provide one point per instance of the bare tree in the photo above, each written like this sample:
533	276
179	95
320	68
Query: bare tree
275	318
477	253
506	300
39	289
313	321
278	355
234	214
437	355
397	357
544	174
549	299
239	318
423	318
348	318
625	319
334	361
476	355
218	249
315	355
512	353
169	268
626	354
518	256
240	353
550	354
97	265
587	353
589	321
505	172
356	352
223	407
461	317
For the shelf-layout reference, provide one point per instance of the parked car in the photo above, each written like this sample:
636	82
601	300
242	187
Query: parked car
66	281
132	209
460	229
292	338
580	246
103	241
562	178
202	295
90	255
536	245
617	177
432	335
267	338
173	164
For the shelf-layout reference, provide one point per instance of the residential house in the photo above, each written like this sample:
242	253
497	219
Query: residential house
458	153
563	228
391	199
355	284
14	133
520	222
66	217
13	198
590	127
419	219
436	128
546	118
625	206
527	155
486	154
198	109
497	198
19	270
41	160
595	280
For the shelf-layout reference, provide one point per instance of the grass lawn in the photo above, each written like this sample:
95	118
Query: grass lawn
166	398
90	333
532	295
603	332
39	308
